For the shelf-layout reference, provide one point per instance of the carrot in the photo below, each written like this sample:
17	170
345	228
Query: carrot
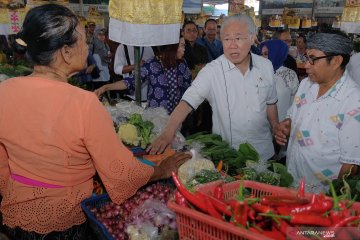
220	165
157	159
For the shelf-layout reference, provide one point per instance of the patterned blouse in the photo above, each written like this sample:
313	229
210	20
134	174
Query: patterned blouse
166	86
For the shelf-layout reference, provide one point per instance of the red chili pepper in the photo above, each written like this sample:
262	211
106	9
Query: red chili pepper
251	213
301	189
241	213
221	206
253	229
261	208
283	200
219	192
346	221
317	207
198	202
339	210
274	235
180	200
282	226
210	208
303	219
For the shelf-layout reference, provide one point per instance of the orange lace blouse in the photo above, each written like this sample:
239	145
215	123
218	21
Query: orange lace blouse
55	133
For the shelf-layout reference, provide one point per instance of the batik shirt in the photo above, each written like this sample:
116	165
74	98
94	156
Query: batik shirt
325	132
166	86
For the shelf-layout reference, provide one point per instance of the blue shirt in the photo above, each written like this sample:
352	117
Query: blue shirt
166	86
214	49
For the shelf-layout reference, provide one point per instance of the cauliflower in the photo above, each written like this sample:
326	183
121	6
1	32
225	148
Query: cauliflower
128	134
190	168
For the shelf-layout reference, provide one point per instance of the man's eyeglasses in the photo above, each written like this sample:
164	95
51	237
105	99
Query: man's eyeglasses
238	40
312	60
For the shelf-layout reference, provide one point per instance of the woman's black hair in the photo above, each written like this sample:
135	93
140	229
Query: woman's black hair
167	54
46	29
187	23
303	37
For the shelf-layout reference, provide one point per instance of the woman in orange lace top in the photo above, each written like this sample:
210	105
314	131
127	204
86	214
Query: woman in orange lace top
54	136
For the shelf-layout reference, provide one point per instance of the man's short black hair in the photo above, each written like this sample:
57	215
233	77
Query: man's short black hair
210	20
277	34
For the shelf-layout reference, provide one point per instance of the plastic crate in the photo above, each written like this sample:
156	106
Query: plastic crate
195	225
98	228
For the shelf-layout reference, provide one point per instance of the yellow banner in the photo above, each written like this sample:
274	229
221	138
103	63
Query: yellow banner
352	3
146	11
13	18
236	7
351	14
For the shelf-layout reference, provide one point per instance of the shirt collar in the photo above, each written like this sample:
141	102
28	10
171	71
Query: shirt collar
337	91
228	65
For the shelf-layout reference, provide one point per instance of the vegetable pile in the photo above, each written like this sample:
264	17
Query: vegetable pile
243	163
272	215
217	149
136	131
116	218
14	71
349	185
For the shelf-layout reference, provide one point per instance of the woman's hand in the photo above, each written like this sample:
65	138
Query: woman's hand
281	131
168	165
100	91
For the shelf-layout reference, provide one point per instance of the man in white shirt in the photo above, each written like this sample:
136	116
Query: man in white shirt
124	64
240	89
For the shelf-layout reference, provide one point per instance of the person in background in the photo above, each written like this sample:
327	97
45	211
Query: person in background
285	36
124	64
286	82
324	121
354	67
102	55
90	29
84	76
213	46
218	37
240	88
54	137
196	57
300	49
168	76
201	32
195	53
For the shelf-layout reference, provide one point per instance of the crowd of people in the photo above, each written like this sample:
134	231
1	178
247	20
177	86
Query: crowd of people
55	136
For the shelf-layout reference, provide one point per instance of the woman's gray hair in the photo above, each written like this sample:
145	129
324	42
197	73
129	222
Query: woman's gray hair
330	43
240	18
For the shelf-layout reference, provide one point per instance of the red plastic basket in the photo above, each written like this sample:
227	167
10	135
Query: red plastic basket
195	225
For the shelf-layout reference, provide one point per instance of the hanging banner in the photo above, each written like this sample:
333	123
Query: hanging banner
301	7
329	6
350	19
101	5
145	22
34	3
192	6
236	7
11	20
353	3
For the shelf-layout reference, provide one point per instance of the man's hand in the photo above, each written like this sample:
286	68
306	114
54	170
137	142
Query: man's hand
100	91
281	131
159	145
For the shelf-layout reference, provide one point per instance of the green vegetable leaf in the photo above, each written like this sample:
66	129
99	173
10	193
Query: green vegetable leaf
286	179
